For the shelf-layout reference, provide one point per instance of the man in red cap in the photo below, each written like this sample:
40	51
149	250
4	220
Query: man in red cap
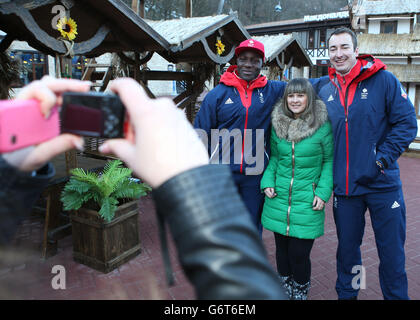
238	110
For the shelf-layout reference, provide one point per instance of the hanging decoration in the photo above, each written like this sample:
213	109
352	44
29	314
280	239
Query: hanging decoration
67	28
220	47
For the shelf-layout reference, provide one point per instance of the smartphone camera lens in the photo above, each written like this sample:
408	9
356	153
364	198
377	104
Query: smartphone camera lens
13	139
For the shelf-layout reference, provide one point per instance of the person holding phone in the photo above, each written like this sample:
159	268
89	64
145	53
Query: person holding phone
297	182
24	173
218	253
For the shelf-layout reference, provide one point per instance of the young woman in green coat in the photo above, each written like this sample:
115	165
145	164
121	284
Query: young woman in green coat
297	182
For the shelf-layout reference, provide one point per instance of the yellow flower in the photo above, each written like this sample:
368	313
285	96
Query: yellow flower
67	28
220	47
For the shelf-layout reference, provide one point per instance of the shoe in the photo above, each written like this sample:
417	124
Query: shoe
300	291
286	282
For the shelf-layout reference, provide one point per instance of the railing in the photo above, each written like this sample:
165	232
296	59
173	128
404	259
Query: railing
317	53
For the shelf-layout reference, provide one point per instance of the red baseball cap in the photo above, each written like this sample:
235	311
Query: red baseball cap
250	44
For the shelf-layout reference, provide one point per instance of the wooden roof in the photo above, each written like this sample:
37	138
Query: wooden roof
405	72
194	39
284	49
386	7
389	44
111	26
102	25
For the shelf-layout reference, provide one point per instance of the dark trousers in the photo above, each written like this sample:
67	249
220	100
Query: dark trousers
293	257
250	192
387	213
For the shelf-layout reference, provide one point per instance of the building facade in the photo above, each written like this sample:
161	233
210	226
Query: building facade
312	31
390	31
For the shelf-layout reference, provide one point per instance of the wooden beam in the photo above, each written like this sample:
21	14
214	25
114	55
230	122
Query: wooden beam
180	97
135	6
188	9
53	44
216	58
141	14
186	101
132	61
166	75
146	88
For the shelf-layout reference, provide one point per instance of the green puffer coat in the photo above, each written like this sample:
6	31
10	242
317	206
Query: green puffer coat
300	167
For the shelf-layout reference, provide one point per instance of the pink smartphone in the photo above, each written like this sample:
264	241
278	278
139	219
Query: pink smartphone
22	124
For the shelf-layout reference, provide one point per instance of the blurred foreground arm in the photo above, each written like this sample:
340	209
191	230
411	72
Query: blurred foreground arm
25	173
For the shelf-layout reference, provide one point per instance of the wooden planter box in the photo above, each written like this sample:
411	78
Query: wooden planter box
106	245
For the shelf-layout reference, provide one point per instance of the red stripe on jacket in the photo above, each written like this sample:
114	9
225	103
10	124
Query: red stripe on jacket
364	68
245	89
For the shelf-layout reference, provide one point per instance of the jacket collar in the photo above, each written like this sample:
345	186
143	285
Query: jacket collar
365	67
298	129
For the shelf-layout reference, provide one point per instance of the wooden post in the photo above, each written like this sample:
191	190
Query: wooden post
63	66
135	6
188	8
141	14
138	7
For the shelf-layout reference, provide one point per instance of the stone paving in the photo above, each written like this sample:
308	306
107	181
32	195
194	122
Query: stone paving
24	275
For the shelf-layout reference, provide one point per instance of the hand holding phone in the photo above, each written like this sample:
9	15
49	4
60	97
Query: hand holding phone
22	124
48	92
93	114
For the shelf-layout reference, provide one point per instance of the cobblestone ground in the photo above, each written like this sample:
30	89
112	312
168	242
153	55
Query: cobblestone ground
24	275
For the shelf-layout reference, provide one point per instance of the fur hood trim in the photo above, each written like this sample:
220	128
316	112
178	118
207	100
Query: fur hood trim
298	129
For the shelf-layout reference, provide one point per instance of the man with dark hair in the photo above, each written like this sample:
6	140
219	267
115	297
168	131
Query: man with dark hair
341	31
373	123
239	109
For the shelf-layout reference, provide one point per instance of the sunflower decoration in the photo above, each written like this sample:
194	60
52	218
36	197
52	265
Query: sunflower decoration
220	47
67	28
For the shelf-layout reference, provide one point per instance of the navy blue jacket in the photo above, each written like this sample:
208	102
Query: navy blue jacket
372	119
234	119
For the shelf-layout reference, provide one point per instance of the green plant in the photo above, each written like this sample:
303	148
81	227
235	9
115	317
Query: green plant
104	189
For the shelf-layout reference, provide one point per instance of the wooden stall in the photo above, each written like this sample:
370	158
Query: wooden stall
109	26
283	51
202	45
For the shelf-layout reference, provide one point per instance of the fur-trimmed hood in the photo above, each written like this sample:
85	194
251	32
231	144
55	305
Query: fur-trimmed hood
297	129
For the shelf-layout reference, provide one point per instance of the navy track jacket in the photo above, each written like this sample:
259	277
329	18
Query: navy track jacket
372	119
235	119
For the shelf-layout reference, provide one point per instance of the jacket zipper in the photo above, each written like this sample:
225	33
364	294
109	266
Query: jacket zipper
246	125
290	189
347	138
346	112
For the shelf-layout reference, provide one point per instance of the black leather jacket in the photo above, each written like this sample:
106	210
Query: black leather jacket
18	193
218	247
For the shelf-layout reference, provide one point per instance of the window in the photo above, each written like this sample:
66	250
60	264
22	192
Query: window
323	38
34	66
78	66
389	26
311	39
